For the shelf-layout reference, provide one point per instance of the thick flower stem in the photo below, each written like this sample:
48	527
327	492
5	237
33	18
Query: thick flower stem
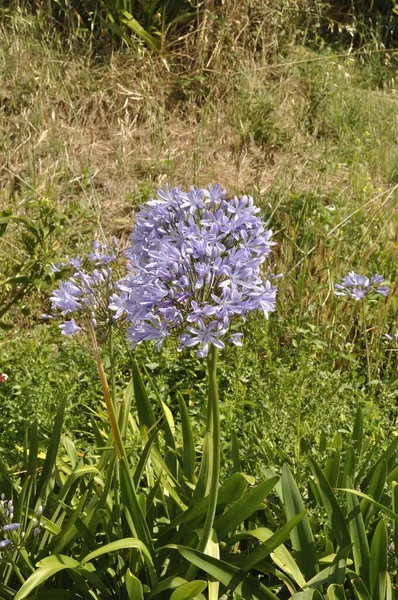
213	426
365	333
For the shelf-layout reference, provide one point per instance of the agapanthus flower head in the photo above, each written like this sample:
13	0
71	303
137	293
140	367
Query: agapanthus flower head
86	294
359	286
195	264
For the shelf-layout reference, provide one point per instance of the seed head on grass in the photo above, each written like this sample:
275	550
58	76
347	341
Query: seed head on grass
358	286
194	267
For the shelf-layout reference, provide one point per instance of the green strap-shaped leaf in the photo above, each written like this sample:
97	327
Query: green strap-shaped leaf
360	589
124	544
301	536
375	489
57	593
47	568
335	573
134	587
332	469
307	595
231	491
231	577
189	590
358	535
383	508
395	523
140	31
235	452
170	583
243	508
46	481
146	417
357	434
335	514
188	446
272	543
378	562
335	592
349	466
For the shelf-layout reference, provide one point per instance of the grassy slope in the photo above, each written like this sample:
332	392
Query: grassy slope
312	136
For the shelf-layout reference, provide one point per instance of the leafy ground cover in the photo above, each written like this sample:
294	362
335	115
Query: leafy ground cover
266	108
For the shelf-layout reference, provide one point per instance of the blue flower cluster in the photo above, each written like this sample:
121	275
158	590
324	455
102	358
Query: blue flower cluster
194	265
86	293
6	520
358	286
15	537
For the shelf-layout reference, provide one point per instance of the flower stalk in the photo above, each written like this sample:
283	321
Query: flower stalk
213	427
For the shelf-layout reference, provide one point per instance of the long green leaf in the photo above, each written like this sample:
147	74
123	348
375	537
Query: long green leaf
375	489
357	434
170	583
383	508
231	577
47	568
335	592
307	595
124	544
301	536
134	587
395	523
146	417
46	481
213	549
243	508
357	530
133	24
360	589
334	573
235	452
349	467
188	446
272	543
378	562
189	590
335	514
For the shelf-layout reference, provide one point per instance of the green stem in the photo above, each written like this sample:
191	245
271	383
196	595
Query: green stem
112	366
365	333
213	426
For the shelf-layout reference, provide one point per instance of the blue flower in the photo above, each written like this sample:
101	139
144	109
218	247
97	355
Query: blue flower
69	327
88	292
359	286
195	263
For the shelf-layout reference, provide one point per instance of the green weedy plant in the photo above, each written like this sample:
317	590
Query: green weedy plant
127	21
27	254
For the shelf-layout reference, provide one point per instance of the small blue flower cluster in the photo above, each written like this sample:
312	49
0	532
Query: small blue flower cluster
86	292
358	286
10	528
6	518
194	265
